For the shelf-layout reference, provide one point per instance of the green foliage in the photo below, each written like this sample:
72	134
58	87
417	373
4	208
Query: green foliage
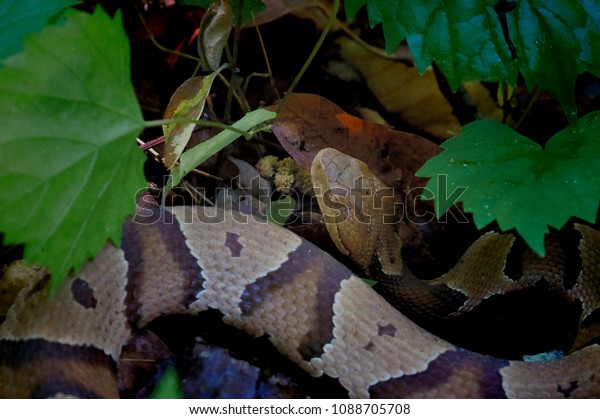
169	386
67	108
186	103
71	168
369	282
279	211
508	177
200	153
248	7
20	17
553	40
513	180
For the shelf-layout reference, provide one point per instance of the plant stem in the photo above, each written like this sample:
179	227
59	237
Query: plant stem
534	96
267	62
165	49
202	122
234	55
403	55
330	21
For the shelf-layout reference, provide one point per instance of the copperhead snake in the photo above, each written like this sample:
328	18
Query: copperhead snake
314	310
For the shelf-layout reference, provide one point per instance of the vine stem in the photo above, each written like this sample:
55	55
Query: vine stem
162	48
330	21
534	96
202	122
233	84
402	55
266	56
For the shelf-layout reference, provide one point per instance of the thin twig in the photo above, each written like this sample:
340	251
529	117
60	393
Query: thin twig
534	96
202	122
165	49
328	26
403	56
233	63
236	94
267	62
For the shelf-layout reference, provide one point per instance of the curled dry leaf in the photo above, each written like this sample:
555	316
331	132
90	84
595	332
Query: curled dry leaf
214	31
308	123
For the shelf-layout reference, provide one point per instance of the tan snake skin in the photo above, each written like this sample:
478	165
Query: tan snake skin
267	281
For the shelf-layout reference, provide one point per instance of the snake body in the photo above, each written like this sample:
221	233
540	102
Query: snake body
269	282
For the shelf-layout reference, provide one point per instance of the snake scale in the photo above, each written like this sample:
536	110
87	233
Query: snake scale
270	282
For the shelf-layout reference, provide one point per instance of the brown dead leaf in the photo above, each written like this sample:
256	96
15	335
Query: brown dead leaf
277	8
214	32
140	361
308	123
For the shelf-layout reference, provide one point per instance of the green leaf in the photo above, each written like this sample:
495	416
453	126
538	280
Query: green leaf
511	179
463	37
369	282
390	14
169	386
70	165
465	40
279	211
197	155
20	17
353	6
553	40
394	30
552	43
187	103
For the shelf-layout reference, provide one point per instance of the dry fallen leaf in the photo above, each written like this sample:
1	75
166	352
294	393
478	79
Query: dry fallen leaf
214	32
482	99
416	98
401	89
308	123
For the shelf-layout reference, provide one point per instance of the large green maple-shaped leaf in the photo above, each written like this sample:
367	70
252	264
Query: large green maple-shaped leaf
70	166
553	40
507	177
19	17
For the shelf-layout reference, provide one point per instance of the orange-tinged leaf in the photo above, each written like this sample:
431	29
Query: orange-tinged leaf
308	123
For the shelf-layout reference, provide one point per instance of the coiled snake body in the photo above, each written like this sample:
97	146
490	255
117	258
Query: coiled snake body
268	281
